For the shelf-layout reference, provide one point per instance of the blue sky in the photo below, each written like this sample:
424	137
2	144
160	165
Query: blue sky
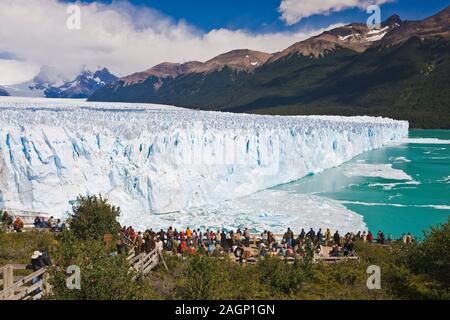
134	35
264	16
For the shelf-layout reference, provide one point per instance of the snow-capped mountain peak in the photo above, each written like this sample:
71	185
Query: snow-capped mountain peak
52	84
46	78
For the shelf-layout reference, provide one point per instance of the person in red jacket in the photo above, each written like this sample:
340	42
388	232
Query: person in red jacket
369	237
184	246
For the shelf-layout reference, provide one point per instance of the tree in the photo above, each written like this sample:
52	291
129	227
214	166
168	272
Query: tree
104	275
431	257
93	217
202	278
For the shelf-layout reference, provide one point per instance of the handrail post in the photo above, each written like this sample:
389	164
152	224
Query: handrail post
8	280
142	264
162	258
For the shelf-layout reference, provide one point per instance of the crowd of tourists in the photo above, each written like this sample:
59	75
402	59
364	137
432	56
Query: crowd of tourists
10	222
181	240
55	225
190	241
16	223
211	242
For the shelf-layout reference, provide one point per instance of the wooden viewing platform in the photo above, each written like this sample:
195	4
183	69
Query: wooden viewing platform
323	256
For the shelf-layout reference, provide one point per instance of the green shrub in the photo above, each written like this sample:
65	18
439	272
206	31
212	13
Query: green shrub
431	258
282	277
104	276
93	217
202	278
2	228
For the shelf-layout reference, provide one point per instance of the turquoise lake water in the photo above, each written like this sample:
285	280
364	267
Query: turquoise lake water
398	188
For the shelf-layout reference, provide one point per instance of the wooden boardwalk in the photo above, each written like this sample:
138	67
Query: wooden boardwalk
323	256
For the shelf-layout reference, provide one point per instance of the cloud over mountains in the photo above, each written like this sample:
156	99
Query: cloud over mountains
121	36
292	11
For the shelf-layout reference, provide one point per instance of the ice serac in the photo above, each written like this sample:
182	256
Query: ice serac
151	159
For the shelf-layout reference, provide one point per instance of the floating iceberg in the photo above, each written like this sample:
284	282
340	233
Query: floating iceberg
152	159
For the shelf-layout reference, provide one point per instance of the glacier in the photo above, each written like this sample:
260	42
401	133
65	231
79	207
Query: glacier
161	163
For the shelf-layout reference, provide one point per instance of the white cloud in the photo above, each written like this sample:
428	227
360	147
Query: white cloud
13	71
292	11
119	36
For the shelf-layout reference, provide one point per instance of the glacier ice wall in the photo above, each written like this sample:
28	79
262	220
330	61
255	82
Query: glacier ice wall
152	159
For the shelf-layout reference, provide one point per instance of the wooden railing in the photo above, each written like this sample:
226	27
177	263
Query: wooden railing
143	263
127	241
22	287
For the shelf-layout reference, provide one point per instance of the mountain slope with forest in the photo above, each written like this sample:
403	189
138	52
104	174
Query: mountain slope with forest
401	71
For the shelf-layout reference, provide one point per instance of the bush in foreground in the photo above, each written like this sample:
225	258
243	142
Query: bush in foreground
93	217
431	257
104	275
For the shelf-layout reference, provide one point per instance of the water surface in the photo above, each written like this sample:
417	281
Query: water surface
398	188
